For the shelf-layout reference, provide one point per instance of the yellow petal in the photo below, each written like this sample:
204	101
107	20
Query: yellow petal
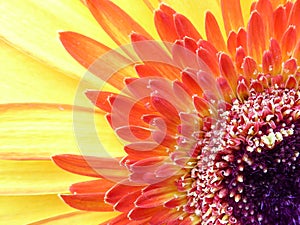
23	79
246	6
78	218
33	26
26	209
30	131
140	12
34	177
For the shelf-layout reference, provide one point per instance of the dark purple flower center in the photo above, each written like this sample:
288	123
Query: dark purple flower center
248	168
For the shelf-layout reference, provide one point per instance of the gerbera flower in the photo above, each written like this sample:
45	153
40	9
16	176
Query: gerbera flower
209	118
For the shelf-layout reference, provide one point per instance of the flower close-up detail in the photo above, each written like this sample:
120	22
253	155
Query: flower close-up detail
187	113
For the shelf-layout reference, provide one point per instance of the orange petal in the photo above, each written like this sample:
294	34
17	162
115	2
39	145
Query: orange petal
88	52
88	202
133	133
140	213
91	186
249	68
228	70
280	22
202	106
127	203
242	91
294	18
267	62
155	197
288	42
232	15
232	43
146	71
91	166
296	53
123	220
100	99
265	9
164	23
213	32
256	37
118	191
114	20
277	56
185	28
164	107
242	39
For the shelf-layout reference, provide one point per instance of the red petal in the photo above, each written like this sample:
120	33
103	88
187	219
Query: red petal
277	56
227	70
249	67
232	43
290	67
213	32
280	22
239	58
209	59
265	9
291	82
117	24
164	107
296	53
256	36
294	18
164	216
88	53
100	99
85	50
148	49
93	186
202	106
89	202
288	42
91	166
232	15
227	92
164	23
146	71
242	91
140	213
267	62
190	80
127	202
118	191
175	202
133	133
242	39
123	220
185	28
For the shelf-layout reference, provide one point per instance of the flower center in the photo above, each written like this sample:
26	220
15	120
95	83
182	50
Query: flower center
248	168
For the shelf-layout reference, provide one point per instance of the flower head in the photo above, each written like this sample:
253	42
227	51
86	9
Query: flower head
209	120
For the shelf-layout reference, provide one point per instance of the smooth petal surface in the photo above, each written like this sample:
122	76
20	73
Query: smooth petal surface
33	27
24	79
195	11
37	131
31	208
114	20
78	218
34	177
